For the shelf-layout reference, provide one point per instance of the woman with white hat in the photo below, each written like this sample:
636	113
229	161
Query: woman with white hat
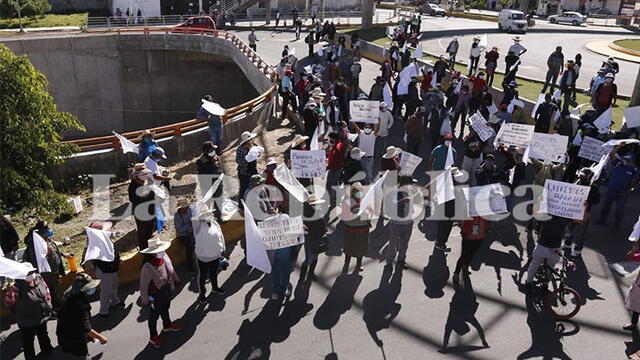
158	279
209	249
244	172
356	232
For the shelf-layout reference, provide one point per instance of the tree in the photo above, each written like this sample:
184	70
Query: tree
20	8
30	139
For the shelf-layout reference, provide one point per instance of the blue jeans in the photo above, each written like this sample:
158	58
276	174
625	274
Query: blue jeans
620	199
215	134
367	165
280	273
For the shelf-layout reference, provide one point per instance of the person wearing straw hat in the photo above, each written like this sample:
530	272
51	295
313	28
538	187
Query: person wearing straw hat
353	170
366	144
158	279
383	126
146	146
209	248
391	160
31	303
209	170
184	230
356	232
315	242
143	204
74	318
517	47
244	173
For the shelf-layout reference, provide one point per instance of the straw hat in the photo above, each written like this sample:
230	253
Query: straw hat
313	199
183	203
140	170
144	134
357	154
155	245
271	161
256	180
298	139
246	136
383	105
517	38
392	152
81	283
317	92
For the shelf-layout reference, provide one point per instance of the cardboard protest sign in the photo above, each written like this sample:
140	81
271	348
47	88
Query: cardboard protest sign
550	147
564	199
632	116
593	149
281	231
408	163
513	134
308	164
479	124
485	200
365	111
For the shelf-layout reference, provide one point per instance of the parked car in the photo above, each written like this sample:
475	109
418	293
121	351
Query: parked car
433	10
199	22
568	17
512	20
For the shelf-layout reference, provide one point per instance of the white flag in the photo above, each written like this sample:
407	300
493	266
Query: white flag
158	191
525	156
597	168
577	140
127	145
576	110
458	87
256	251
40	250
535	107
99	246
604	120
292	52
387	95
308	69
512	174
484	41
315	143
635	233
213	108
285	178
450	160
214	187
418	53
444	187
434	81
514	65
369	197
14	270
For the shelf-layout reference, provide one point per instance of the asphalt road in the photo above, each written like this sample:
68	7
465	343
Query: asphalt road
540	41
340	316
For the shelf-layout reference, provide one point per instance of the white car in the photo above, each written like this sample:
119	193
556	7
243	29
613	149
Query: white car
569	17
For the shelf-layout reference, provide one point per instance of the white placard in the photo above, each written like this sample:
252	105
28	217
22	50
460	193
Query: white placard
213	108
518	135
479	124
408	163
485	200
366	111
617	142
564	199
307	164
550	147
256	251
593	149
281	231
632	116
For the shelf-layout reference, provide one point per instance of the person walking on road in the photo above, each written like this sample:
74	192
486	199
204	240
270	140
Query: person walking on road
209	249
555	62
473	231
452	50
356	233
253	39
401	222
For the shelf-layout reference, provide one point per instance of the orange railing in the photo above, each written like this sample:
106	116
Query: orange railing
177	129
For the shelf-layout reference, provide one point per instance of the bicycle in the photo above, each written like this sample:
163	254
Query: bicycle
563	302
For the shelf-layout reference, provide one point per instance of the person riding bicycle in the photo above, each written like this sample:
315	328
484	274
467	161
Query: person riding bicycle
548	247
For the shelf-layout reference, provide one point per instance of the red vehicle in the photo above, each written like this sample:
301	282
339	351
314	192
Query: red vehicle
197	22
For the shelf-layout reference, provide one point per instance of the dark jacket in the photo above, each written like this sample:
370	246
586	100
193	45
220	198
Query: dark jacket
33	304
8	236
484	177
136	200
555	61
351	168
543	116
74	324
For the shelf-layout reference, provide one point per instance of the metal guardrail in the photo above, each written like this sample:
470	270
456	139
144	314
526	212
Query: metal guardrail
177	129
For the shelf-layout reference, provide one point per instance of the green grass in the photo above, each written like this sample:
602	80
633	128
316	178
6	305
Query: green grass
48	20
526	88
629	44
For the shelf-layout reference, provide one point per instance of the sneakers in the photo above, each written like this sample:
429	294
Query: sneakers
172	328
155	341
219	291
443	248
203	300
630	326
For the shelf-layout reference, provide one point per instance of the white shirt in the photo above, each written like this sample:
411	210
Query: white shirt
367	142
154	168
385	121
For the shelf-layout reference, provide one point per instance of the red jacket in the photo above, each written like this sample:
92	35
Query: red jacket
475	228
478	84
335	156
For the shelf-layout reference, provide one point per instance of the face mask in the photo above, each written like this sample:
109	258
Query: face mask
488	163
30	277
358	194
49	233
159	255
157	160
447	142
148	140
212	154
609	80
91	291
367	130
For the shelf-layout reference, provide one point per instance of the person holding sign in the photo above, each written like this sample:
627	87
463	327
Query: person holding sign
624	176
366	145
356	232
282	264
578	228
31	302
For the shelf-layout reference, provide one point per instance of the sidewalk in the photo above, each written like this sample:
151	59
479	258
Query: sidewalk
602	48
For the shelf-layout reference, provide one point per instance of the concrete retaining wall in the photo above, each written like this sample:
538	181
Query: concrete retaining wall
131	82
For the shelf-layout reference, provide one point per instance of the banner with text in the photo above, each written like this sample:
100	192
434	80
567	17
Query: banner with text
365	111
593	149
479	124
551	147
485	200
513	134
308	164
281	231
564	199
408	163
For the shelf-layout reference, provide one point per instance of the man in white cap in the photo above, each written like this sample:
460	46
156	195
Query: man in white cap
385	123
151	163
366	145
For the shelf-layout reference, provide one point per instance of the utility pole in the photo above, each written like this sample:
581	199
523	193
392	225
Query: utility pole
367	13
635	97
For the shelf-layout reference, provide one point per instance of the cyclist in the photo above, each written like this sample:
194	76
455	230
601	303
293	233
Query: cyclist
548	247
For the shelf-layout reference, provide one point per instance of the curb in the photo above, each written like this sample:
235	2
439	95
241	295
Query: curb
625	50
600	50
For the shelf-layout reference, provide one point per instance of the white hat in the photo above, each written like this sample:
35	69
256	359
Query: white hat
392	151
155	246
357	154
298	139
271	161
313	199
254	153
246	136
383	104
517	38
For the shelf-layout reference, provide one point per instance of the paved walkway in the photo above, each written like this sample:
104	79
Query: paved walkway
602	48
